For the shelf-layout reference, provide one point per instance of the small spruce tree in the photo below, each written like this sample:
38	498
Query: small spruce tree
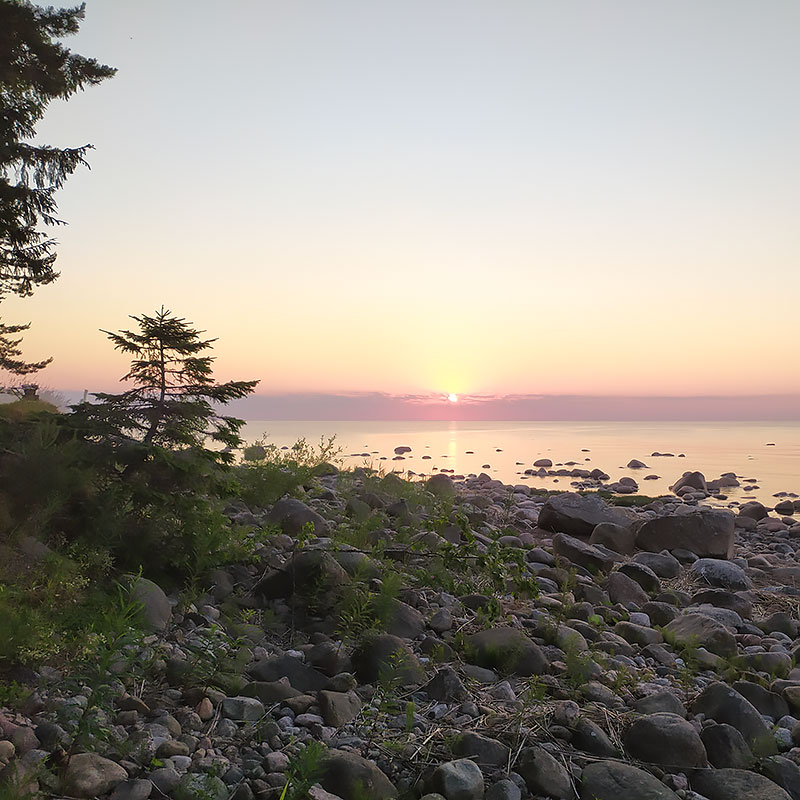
173	402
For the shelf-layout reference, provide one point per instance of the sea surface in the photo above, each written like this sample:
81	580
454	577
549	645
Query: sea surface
764	456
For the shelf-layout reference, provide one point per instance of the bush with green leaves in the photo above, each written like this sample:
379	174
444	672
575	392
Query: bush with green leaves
268	472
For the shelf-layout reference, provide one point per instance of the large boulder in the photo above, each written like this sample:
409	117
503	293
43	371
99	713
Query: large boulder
578	514
352	777
613	780
156	610
736	784
691	480
724	704
544	775
508	649
667	740
309	572
693	630
581	554
90	775
721	574
441	485
708	534
458	780
294	515
383	657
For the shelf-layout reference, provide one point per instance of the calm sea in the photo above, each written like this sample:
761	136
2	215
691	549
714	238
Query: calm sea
765	456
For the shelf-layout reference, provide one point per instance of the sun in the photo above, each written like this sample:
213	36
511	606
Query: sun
452	398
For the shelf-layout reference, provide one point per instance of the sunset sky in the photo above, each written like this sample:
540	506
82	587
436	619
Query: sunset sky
484	198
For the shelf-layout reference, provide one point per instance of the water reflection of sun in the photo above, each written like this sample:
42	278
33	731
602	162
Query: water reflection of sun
452	398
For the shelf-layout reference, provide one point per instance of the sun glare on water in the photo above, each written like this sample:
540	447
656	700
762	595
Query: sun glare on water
452	398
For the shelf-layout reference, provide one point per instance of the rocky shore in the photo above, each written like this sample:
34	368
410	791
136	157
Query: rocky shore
465	640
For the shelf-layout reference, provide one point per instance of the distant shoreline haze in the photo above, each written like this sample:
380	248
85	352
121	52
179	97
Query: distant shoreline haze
377	406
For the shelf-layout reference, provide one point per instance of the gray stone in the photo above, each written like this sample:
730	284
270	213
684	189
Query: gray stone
709	534
665	565
293	515
459	780
506	649
446	686
578	515
721	574
724	704
659	702
381	656
619	538
581	554
339	708
196	785
483	750
138	789
692	630
156	610
624	590
726	747
353	777
544	775
247	709
612	780
89	775
736	784
441	485
667	740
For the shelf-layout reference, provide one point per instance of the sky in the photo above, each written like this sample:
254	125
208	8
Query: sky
493	199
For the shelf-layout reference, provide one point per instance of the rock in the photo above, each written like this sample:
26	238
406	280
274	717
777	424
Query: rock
194	785
724	704
504	789
665	565
736	784
309	571
269	691
612	780
768	703
721	574
583	555
691	630
507	649
663	701
624	590
543	775
165	779
667	740
446	686
708	534
339	708
578	515
441	486
404	621
353	778
643	575
784	772
726	747
754	510
381	656
246	709
483	750
90	775
301	677
138	789
458	780
588	736
293	515
619	538
156	611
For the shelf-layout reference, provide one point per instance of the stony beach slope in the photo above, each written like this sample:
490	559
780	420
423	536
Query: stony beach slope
465	640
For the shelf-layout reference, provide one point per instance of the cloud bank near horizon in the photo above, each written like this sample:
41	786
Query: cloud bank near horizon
514	407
